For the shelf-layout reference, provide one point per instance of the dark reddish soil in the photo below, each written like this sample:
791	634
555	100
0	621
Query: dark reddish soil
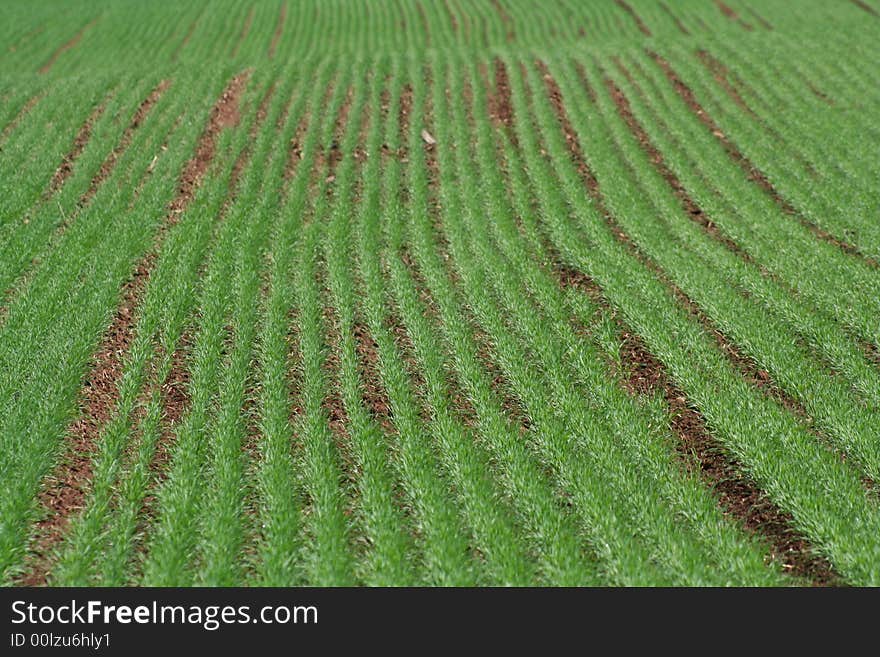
722	76
183	44
500	102
425	25
700	452
64	491
754	174
245	30
764	23
62	173
27	107
64	48
632	12
334	154
224	114
675	18
510	34
279	30
646	374
865	6
295	150
374	395
452	19
694	211
732	15
110	162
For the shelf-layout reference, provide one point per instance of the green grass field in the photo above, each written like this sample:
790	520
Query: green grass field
440	292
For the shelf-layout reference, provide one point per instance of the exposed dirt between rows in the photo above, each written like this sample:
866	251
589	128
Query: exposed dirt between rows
67	46
746	367
374	396
732	15
752	172
25	109
279	30
865	6
333	155
675	18
224	114
722	76
632	12
186	39
738	496
764	22
295	152
693	210
647	374
245	30
65	169
510	34
453	21
27	37
499	100
425	24
137	120
64	491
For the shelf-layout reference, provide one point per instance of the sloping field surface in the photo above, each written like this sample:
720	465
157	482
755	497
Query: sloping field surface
440	292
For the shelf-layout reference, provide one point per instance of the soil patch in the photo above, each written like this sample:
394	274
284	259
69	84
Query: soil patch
62	173
279	29
632	12
67	46
752	172
109	163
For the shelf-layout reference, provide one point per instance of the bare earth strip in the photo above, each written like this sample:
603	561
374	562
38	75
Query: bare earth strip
754	174
748	504
64	48
65	489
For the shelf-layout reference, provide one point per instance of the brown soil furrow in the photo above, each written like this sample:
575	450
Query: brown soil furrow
752	172
27	107
62	173
764	22
65	47
732	15
738	496
245	30
333	404
722	77
425	25
295	150
334	154
460	404
865	6
452	18
27	37
675	18
374	396
632	12
224	114
279	30
499	100
753	374
175	398
186	38
510	35
110	162
754	510
691	208
65	490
